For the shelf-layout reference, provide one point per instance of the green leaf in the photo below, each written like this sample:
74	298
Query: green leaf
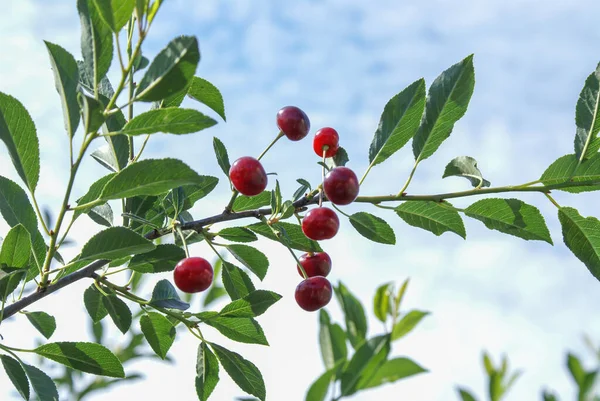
510	216
9	281
193	193
150	177
236	281
119	312
106	157
102	214
159	332
581	235
207	372
295	237
16	247
42	384
162	259
364	363
114	243
96	42
407	323
465	395
66	79
15	206
237	234
92	298
565	170
394	370
87	357
399	122
115	13
252	305
222	156
250	257
208	94
487	364
214	293
164	295
432	216
382	301
466	166
172	120
372	227
16	374
240	329
587	117
302	190
332	341
92	113
354	313
318	390
243	202
243	372
17	131
446	103
43	322
171	70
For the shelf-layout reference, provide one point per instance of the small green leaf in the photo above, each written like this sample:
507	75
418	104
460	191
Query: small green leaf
341	158
250	257
93	193
92	298
207	372
9	281
487	364
237	234
382	301
364	363
332	341
354	313
208	94
587	117
102	214
88	357
252	305
16	247
114	243
302	190
43	322
407	323
511	216
394	370
399	122
171	70
222	156
295	236
432	216
320	387
119	312
565	170
164	295
41	383
447	102
236	281
96	42
92	113
372	227
18	133
115	13
243	372
172	120
162	259
466	166
240	329
581	235
16	374
243	202
159	332
465	395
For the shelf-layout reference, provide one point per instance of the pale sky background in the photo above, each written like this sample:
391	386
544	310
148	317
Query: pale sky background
341	61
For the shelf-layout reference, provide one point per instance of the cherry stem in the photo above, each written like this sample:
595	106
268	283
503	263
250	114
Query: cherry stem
322	175
209	242
180	232
279	135
339	210
298	263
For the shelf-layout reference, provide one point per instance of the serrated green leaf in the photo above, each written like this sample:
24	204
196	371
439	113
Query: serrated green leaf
66	79
296	238
392	371
250	257
382	301
208	94
92	113
159	332
236	281
16	247
222	156
170	71
92	298
372	227
87	357
341	158
465	395
320	387
119	312
102	214
93	193
407	323
447	102
399	122
43	322
432	216
16	374
9	281
565	169
364	363
587	117
162	259
354	314
172	120
252	305
302	190
243	202
18	133
466	166
510	216
114	243
115	13
207	372
41	383
332	341
96	42
240	329
164	295
237	234
243	372
582	237
106	157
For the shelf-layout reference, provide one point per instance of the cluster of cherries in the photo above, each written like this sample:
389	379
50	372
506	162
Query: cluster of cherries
248	177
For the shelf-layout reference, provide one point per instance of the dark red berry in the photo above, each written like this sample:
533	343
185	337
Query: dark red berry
248	176
313	293
341	186
193	274
316	264
326	137
320	223
293	122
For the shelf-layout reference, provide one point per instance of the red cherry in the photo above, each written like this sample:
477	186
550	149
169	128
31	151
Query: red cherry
317	264
341	186
313	293
193	274
326	137
248	176
293	122
320	223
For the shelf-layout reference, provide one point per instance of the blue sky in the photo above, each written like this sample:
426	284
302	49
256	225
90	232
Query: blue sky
341	61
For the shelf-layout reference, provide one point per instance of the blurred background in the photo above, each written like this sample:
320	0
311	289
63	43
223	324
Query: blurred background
341	61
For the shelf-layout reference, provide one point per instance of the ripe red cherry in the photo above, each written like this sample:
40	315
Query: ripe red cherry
320	223
248	176
293	122
313	293
326	137
193	274
316	264
341	186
